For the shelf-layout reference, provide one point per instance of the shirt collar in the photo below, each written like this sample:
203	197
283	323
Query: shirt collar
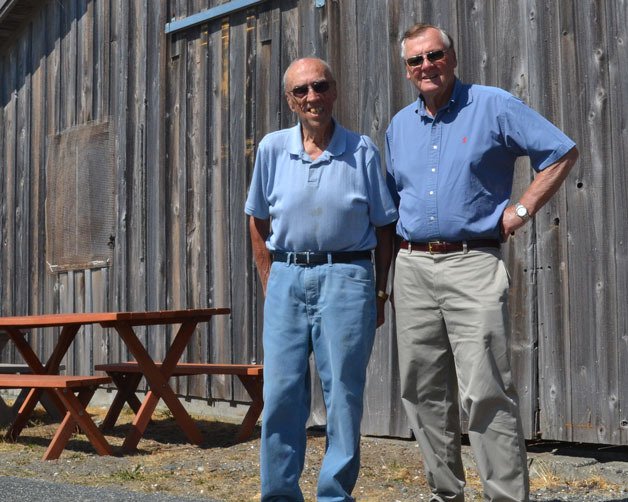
337	144
460	96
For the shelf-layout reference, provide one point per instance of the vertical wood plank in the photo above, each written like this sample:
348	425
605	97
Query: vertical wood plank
8	201
177	172
220	341
196	189
593	300
85	61
37	189
269	96
156	206
289	51
312	30
239	166
102	59
99	302
4	98
477	36
68	54
137	147
616	38
343	46
21	208
6	92
51	115
120	86
545	63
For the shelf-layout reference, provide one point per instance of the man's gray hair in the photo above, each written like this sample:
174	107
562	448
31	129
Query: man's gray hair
418	29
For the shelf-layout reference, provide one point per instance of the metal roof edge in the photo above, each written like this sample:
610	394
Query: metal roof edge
209	14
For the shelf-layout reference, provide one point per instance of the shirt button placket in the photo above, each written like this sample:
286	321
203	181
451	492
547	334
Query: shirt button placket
434	155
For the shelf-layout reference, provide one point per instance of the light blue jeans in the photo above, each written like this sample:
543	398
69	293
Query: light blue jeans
330	310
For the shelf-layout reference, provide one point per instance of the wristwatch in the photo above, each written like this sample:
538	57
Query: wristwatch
522	212
382	294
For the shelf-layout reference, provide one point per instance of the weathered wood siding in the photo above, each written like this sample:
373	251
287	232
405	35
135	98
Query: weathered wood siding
189	108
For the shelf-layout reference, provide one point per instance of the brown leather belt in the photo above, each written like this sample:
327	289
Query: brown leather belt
441	247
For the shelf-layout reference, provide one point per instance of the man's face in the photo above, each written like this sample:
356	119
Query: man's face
434	80
313	108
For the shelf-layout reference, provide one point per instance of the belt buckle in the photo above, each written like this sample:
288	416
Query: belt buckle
433	243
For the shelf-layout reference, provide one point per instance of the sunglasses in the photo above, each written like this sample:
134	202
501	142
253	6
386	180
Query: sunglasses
431	57
319	87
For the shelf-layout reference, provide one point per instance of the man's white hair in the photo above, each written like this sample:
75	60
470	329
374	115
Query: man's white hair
298	60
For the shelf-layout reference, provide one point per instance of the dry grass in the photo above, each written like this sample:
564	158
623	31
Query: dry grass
222	470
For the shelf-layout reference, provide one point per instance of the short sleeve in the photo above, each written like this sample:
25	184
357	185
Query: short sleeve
382	209
257	201
527	132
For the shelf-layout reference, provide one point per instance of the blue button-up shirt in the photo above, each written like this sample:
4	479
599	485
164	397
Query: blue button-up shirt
452	174
331	203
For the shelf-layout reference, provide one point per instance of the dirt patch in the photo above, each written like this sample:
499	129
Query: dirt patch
224	471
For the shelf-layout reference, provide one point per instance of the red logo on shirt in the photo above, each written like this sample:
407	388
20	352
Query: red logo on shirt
464	140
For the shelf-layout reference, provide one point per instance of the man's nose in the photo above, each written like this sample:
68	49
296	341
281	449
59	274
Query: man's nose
311	93
426	62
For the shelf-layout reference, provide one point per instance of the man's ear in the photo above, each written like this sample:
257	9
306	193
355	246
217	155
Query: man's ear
290	101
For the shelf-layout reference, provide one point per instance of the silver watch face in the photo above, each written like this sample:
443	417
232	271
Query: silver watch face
522	211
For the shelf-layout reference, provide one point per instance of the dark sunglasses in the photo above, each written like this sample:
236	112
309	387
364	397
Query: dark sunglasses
431	57
319	87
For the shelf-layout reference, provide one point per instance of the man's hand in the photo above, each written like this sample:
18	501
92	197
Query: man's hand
383	257
259	230
381	311
510	223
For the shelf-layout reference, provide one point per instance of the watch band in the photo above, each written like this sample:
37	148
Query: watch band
382	294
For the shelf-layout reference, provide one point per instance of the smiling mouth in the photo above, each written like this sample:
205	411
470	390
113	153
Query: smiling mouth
316	110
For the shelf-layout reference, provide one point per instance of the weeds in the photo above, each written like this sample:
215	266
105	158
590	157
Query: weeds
542	475
134	474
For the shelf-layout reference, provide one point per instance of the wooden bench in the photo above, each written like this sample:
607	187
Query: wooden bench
64	387
127	376
8	413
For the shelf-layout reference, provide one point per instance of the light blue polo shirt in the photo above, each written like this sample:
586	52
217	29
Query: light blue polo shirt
452	175
330	204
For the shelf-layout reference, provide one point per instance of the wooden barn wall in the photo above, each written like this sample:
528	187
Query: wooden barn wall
188	110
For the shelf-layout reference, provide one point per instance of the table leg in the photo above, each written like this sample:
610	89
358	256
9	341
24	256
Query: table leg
126	384
23	414
76	414
68	333
254	386
158	381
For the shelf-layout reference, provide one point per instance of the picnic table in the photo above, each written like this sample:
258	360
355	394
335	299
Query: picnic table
157	374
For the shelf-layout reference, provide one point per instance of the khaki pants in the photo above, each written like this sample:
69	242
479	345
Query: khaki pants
452	331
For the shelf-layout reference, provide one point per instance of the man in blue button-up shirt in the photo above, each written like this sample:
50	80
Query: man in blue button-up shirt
450	162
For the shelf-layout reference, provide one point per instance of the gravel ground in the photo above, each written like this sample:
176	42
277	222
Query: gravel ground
169	469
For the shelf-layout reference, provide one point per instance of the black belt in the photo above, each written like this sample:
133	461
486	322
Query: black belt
318	258
441	247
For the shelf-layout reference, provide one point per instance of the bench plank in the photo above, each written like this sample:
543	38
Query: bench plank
50	381
186	369
8	413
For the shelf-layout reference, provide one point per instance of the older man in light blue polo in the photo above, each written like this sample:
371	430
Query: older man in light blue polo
318	204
